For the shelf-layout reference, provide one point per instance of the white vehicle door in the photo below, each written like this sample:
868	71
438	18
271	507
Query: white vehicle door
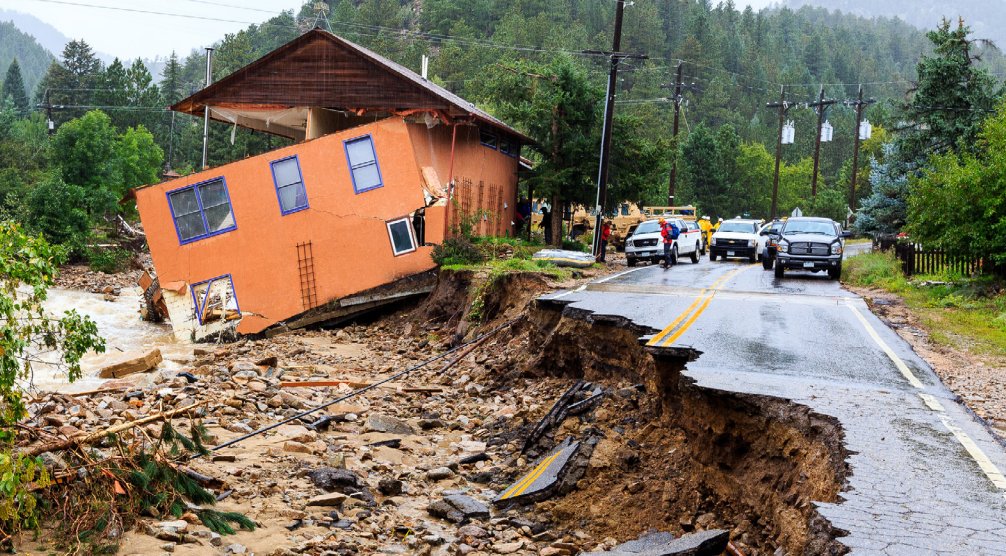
685	241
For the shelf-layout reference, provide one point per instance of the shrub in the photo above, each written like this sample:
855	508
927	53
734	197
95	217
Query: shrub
108	260
881	269
573	245
458	250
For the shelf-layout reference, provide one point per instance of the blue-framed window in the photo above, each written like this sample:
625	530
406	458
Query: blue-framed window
363	164
201	210
509	147
215	300
403	239
488	139
289	184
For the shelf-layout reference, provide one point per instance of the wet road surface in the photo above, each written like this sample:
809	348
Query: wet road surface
925	474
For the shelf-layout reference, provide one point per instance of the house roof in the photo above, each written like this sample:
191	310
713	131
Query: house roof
319	69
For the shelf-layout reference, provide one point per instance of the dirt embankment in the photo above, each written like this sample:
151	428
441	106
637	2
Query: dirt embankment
680	457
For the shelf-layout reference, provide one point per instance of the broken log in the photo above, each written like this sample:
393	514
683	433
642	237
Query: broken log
85	439
132	364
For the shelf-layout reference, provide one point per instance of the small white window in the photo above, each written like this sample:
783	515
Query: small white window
403	239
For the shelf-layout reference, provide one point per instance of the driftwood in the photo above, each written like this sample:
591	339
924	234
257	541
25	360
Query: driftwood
86	439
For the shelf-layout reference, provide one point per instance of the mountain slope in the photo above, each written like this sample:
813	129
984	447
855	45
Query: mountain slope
33	58
984	16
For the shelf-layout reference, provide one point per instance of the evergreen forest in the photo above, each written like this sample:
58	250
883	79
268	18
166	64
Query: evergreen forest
522	60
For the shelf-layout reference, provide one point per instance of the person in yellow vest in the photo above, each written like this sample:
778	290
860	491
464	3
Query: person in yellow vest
716	226
707	230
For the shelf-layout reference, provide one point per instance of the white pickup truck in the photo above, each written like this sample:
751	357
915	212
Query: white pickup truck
646	243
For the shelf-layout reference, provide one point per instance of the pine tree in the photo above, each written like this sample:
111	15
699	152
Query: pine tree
171	81
952	96
72	82
13	87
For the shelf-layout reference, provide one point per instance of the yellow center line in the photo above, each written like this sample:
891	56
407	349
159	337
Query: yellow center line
529	479
711	290
689	322
663	333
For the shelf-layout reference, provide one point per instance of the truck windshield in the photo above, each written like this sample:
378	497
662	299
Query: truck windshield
648	227
739	227
808	227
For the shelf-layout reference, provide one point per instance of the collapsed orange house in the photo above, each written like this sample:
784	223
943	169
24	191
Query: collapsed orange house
355	206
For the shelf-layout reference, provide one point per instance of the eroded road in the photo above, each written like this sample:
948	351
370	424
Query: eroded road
926	476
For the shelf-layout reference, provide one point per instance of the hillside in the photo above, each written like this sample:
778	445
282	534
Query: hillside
33	58
984	16
735	59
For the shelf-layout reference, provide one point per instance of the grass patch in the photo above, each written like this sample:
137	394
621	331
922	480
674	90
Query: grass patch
498	267
959	312
875	270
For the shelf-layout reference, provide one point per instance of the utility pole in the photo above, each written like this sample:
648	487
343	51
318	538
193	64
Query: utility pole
783	107
206	108
677	115
860	104
821	105
50	123
609	112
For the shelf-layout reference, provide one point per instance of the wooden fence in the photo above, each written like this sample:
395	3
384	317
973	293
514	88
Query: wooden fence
917	260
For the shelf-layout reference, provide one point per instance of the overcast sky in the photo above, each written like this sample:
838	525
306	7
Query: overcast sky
129	34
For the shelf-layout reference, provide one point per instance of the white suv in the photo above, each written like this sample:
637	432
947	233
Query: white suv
736	238
646	243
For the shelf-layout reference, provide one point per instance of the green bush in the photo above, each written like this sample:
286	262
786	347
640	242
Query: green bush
55	209
881	270
108	260
458	250
573	245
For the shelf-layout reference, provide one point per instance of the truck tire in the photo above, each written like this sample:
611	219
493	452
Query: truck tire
631	261
767	262
695	255
674	255
712	256
779	271
835	273
753	258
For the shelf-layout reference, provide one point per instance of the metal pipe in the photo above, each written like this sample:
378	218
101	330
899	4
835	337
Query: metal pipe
450	180
206	108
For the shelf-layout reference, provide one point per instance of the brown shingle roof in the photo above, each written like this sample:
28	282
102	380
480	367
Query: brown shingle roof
319	69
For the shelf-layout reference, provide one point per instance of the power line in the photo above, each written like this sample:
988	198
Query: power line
236	7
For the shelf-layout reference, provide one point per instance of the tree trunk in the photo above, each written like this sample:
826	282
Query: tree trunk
557	220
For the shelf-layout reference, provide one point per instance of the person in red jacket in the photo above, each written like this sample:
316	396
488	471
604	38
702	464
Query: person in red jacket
669	232
605	236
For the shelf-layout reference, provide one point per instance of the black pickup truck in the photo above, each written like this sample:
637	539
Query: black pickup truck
813	244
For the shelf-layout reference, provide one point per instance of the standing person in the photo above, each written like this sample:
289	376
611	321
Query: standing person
605	236
669	232
706	226
523	216
716	227
546	223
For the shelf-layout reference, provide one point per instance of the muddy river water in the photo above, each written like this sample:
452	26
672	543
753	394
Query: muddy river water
119	324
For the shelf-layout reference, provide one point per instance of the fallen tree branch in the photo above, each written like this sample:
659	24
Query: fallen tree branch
86	439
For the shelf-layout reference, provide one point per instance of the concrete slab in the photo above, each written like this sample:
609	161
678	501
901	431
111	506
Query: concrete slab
704	543
540	481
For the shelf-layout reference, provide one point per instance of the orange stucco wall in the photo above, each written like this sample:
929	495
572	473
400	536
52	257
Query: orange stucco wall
485	178
351	248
